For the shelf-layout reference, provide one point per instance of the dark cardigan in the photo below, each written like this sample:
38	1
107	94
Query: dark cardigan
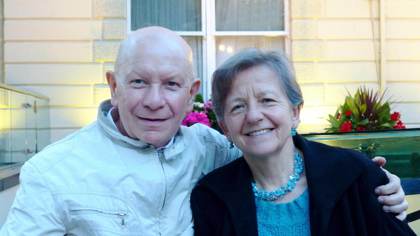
341	186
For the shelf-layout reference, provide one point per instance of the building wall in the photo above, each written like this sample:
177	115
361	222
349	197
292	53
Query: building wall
1	43
336	48
62	48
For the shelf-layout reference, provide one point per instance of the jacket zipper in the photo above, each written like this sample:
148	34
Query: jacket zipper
161	160
119	214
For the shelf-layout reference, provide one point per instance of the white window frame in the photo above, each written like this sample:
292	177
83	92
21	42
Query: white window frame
208	33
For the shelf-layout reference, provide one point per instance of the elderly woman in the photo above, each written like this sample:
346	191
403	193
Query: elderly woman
284	184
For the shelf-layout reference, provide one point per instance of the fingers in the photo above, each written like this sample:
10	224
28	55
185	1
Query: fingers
399	209
402	216
394	186
380	161
392	200
392	196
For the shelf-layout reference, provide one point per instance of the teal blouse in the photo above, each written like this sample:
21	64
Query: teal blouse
291	219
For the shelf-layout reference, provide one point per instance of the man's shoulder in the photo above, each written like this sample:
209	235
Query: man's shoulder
66	147
204	134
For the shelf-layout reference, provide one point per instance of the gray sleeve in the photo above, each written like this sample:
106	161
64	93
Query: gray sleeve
219	151
34	211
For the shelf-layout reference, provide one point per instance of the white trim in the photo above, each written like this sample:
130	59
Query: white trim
287	38
129	30
191	33
209	45
286	15
251	33
203	17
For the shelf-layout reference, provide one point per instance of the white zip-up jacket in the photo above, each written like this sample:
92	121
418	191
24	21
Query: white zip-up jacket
99	182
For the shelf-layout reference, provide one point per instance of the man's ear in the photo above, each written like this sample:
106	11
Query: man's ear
195	87
112	83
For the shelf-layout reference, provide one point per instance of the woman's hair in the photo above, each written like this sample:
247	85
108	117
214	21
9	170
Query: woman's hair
225	74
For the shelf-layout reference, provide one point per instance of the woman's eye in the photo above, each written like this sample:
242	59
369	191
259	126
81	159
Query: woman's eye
267	100
236	108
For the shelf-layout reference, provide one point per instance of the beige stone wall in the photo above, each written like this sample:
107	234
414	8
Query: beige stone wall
62	48
403	57
335	48
1	43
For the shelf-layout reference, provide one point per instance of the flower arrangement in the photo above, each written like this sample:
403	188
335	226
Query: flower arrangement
202	113
366	110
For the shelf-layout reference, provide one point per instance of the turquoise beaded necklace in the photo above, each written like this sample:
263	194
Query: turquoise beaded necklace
282	190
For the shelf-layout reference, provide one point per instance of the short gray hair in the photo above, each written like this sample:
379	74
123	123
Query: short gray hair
225	74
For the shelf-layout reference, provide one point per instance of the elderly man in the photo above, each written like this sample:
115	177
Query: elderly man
131	171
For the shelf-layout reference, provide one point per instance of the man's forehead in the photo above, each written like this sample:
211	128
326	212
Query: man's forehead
155	55
146	69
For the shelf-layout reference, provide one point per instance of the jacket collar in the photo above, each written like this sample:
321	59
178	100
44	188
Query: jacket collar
321	165
175	146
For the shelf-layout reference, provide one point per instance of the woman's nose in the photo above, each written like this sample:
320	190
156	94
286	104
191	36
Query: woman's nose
254	114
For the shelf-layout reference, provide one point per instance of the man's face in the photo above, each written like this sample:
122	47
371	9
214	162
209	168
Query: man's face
154	95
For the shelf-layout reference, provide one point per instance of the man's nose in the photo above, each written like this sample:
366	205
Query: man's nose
154	98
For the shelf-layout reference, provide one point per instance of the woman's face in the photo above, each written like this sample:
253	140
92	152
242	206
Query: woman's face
258	116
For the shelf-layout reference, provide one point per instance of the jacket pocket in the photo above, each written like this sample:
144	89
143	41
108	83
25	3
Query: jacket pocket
91	214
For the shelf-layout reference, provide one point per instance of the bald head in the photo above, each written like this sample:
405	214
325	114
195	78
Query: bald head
152	40
153	86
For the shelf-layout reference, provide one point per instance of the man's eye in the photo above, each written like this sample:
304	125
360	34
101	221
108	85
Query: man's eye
173	84
137	82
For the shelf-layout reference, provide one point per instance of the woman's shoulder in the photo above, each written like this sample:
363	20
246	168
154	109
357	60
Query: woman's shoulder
339	154
224	174
226	180
343	161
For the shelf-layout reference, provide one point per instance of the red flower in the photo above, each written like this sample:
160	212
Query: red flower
360	128
346	126
395	116
399	125
348	113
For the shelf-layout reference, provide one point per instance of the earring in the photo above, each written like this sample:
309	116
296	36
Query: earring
293	131
231	145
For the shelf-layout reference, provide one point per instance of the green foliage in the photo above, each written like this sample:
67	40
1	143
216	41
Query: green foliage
207	109
365	110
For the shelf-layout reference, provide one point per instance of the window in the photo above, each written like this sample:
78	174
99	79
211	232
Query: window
216	29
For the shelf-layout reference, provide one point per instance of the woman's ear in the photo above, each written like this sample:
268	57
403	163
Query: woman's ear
296	116
223	128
